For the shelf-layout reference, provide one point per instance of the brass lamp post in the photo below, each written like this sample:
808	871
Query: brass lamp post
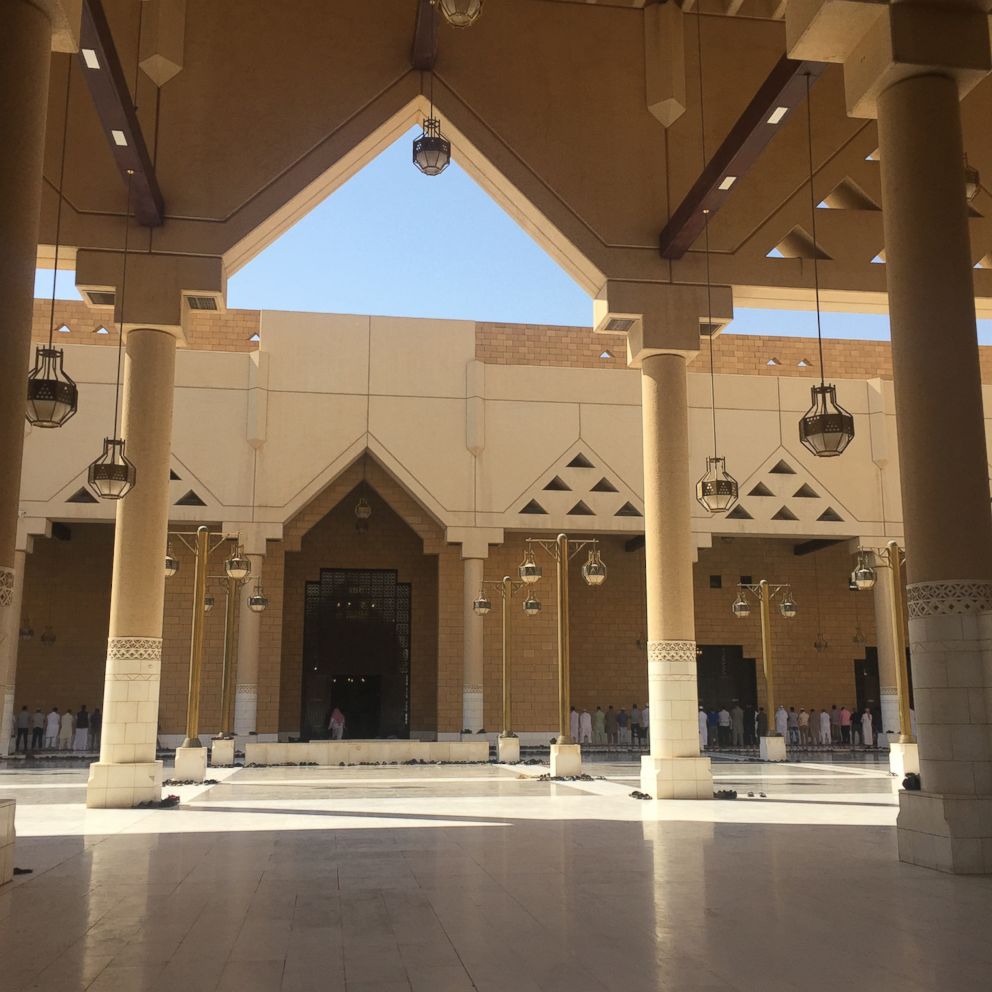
506	587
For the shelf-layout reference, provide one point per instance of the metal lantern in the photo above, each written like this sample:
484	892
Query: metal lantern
208	603
48	636
972	180
827	428
741	607
26	631
257	601
363	510
482	604
459	13
112	476
532	606
820	644
529	570
859	637
863	576
237	567
594	571
171	562
431	151
787	607
717	489
52	395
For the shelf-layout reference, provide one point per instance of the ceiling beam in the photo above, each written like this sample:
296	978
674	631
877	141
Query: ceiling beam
424	52
101	68
634	544
810	547
781	93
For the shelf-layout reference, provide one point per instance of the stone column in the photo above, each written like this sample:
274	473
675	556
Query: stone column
10	639
944	473
128	772
472	671
885	637
249	629
674	769
23	109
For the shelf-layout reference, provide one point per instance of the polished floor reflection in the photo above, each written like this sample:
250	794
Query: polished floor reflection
483	878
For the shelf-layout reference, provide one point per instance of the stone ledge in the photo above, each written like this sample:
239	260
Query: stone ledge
7	836
357	752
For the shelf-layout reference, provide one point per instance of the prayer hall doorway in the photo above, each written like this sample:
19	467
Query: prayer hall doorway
356	654
725	675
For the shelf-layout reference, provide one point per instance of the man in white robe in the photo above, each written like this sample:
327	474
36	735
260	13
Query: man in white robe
585	727
826	736
781	721
702	728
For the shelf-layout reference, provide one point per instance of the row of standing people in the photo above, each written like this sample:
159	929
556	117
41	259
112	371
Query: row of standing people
743	726
58	731
609	726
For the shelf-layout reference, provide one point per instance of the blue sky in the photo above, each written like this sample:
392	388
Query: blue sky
392	241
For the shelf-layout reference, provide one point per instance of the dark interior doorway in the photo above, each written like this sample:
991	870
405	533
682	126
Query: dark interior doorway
866	681
725	675
356	654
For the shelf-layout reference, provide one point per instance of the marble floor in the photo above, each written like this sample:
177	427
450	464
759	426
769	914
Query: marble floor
446	879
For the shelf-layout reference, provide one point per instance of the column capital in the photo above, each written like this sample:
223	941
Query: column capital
158	286
475	541
661	318
882	44
253	536
28	528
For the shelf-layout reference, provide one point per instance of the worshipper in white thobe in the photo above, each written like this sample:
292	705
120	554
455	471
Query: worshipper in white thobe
867	736
781	721
66	728
336	726
825	733
702	728
645	724
573	724
585	727
52	728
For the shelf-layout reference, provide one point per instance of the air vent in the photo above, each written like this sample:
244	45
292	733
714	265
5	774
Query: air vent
619	325
739	513
797	244
848	195
761	490
533	507
785	514
628	510
201	302
806	492
190	499
604	486
101	330
557	485
607	356
100	298
782	468
830	515
82	496
581	510
255	338
580	461
64	329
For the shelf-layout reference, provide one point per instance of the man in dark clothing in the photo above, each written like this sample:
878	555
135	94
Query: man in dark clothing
762	722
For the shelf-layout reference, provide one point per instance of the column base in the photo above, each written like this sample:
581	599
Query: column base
120	786
566	759
948	833
508	750
6	840
191	763
904	758
772	749
222	752
676	778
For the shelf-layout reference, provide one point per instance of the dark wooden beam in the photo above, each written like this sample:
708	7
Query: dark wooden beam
785	88
101	68
810	547
424	52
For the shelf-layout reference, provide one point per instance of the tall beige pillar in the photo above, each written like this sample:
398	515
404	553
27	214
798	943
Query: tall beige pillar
249	631
472	698
23	107
10	638
674	769
944	472
885	638
128	772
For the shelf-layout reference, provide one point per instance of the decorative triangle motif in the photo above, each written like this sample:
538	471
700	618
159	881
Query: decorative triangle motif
172	476
557	485
581	510
798	244
604	486
806	491
628	510
830	515
533	507
761	490
580	461
785	513
82	496
190	499
739	513
782	468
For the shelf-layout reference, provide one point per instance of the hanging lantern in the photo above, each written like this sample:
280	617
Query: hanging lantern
257	601
827	428
787	607
717	490
52	395
594	571
820	644
532	606
431	151
171	562
481	604
208	603
859	637
237	567
26	631
48	636
741	607
363	510
863	576
112	476
459	13
529	570
972	180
